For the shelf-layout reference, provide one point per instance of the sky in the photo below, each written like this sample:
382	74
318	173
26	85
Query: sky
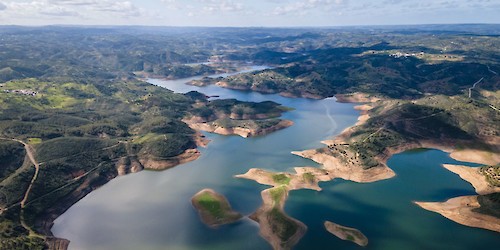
247	13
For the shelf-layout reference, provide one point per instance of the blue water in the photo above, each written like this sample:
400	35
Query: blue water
152	210
384	211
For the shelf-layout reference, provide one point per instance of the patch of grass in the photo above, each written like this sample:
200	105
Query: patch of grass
210	204
214	209
145	137
308	177
282	179
277	193
350	237
281	225
34	141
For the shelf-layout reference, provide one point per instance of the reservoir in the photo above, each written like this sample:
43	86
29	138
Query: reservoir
152	210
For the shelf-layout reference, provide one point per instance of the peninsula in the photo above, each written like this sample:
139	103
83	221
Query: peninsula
279	229
479	211
387	126
233	117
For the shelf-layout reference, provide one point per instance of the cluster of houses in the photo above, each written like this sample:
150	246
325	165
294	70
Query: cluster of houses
399	54
21	91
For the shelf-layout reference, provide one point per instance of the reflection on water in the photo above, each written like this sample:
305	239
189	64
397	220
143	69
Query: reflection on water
152	210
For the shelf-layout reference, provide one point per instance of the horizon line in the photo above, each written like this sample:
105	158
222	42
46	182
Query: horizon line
215	26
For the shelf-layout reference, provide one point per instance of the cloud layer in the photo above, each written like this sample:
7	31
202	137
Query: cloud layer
247	12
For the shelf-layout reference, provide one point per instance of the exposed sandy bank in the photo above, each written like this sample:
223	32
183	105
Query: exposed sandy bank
305	178
363	116
357	97
352	172
201	140
128	164
474	177
243	132
460	210
162	164
346	233
474	155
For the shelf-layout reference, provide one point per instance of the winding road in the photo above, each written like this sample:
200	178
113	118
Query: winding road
473	86
31	157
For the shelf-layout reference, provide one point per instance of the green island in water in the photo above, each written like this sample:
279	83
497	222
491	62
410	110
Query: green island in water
78	109
214	209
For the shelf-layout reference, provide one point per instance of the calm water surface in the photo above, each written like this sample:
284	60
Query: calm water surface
152	210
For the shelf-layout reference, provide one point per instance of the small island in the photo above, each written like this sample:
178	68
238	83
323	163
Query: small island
214	209
346	233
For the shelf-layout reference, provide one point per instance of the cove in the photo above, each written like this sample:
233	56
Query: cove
152	210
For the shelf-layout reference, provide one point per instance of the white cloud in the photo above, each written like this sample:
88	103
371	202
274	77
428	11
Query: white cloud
172	4
76	2
87	9
208	6
246	12
58	11
222	6
126	8
303	7
376	7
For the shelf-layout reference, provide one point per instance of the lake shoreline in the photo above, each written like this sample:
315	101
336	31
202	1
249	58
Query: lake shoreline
461	210
373	174
47	220
243	132
382	171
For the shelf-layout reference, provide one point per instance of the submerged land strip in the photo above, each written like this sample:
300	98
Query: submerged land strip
346	233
